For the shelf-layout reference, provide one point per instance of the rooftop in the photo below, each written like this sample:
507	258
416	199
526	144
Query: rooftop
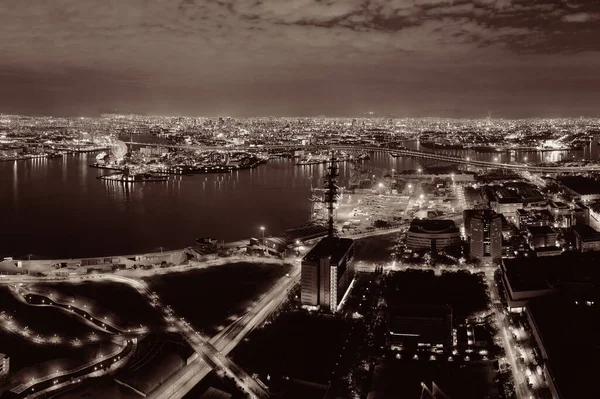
480	213
304	232
533	273
333	247
214	393
540	230
581	185
558	205
586	232
419	310
568	334
434	226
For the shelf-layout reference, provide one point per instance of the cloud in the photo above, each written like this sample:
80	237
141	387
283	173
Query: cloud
465	8
236	43
580	17
295	11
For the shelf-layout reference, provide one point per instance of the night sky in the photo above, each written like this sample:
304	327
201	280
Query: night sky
515	58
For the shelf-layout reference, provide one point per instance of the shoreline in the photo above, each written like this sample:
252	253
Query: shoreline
149	264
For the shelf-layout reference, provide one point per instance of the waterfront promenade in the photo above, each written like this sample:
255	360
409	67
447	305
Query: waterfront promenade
149	263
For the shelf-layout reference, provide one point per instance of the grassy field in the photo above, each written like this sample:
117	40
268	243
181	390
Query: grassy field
295	345
209	297
122	303
43	320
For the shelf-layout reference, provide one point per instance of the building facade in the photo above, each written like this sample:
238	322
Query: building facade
418	325
433	235
485	235
327	271
586	238
541	236
4	366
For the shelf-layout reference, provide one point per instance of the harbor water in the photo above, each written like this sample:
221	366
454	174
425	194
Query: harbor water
57	208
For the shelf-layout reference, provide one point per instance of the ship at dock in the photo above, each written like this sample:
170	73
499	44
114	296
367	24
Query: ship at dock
131	177
325	157
311	159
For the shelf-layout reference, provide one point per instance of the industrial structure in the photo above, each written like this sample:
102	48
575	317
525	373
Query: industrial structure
328	269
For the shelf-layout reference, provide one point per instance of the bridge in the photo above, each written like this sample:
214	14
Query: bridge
419	156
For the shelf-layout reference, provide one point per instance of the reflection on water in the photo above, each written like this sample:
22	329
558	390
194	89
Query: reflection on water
15	187
119	192
83	169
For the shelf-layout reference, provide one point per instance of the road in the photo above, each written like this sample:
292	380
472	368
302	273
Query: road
199	343
96	367
223	343
36	299
518	376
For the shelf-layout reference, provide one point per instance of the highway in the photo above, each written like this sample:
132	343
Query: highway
200	343
213	353
210	355
402	152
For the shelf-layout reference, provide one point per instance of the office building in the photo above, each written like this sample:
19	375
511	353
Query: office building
432	235
581	188
571	275
586	238
415	325
327	271
485	235
541	236
4	366
566	336
214	393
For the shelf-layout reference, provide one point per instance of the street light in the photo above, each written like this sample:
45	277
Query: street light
262	228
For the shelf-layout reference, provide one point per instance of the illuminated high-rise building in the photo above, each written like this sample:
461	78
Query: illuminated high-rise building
327	271
485	235
4	366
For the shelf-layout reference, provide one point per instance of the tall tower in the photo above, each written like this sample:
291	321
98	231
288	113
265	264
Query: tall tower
331	193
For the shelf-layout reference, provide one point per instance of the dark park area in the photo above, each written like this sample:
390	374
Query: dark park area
208	297
464	292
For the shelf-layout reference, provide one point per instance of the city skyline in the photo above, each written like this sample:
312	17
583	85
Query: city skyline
302	58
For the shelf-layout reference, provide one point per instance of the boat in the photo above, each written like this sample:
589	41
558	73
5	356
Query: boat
207	241
138	178
310	160
56	155
363	157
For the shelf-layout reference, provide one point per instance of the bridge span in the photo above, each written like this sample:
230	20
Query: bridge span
397	152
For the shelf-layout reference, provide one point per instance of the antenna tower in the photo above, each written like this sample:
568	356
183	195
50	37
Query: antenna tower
331	193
